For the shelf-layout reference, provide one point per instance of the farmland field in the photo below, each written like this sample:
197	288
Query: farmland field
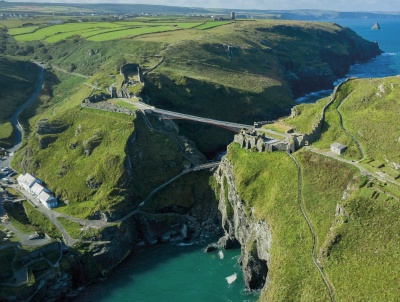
212	24
129	33
97	31
22	30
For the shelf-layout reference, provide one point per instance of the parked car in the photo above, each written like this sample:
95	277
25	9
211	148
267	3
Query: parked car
6	169
6	180
11	173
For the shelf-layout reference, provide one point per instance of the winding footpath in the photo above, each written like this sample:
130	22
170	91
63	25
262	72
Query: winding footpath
197	168
348	132
303	211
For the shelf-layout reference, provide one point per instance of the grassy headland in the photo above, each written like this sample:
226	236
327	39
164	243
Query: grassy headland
353	216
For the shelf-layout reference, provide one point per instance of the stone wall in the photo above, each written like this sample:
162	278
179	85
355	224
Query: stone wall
106	106
97	97
301	140
250	139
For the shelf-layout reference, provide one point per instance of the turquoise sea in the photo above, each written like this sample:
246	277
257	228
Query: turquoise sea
174	272
180	273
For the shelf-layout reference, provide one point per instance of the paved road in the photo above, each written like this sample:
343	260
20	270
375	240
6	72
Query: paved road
23	238
18	130
50	214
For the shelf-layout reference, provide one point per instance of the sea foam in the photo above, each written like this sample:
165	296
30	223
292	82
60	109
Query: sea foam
232	278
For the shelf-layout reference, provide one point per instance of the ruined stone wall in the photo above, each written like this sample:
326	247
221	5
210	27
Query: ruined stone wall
250	141
302	140
106	106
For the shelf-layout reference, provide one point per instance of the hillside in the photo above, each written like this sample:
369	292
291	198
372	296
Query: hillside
242	72
109	164
235	72
19	77
351	205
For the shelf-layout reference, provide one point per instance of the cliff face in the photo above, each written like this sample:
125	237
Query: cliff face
320	56
239	225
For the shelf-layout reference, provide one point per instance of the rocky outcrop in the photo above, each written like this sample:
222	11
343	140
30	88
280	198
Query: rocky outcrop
91	143
46	127
240	226
376	26
46	132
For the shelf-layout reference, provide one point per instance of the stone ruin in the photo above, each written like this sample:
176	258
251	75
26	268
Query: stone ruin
249	139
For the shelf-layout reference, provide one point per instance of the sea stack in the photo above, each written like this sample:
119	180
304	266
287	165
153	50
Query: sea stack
376	26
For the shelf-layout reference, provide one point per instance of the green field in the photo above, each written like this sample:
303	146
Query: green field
208	25
118	102
22	30
96	31
352	247
129	33
307	115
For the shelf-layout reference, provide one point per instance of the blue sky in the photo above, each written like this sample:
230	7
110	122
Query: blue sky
337	5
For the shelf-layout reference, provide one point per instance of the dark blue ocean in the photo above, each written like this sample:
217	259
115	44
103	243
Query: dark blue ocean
387	64
182	273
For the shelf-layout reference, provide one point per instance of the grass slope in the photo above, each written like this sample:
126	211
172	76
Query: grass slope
354	221
354	218
268	182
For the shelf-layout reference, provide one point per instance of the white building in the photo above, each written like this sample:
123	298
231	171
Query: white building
338	148
34	187
27	181
49	201
37	189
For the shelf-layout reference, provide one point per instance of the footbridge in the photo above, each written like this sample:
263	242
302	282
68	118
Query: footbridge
176	115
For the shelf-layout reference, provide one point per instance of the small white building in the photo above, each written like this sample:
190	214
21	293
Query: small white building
27	181
35	187
48	200
338	148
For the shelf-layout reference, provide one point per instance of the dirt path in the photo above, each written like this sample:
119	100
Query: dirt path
307	219
347	131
